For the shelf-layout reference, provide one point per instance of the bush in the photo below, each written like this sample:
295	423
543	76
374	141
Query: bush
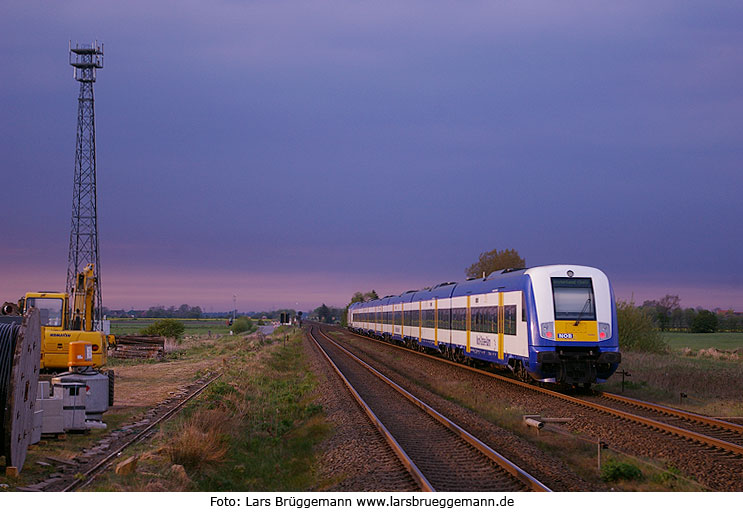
614	471
166	328
636	330
243	324
705	322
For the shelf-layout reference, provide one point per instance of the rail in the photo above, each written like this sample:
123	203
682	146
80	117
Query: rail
665	427
91	474
498	459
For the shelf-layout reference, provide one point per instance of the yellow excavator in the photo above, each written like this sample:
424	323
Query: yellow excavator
65	319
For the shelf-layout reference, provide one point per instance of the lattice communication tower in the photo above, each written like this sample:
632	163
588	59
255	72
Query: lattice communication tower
85	60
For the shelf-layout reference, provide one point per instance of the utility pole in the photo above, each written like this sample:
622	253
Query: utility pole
84	226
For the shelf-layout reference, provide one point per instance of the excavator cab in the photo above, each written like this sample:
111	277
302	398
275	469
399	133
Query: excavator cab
66	319
52	307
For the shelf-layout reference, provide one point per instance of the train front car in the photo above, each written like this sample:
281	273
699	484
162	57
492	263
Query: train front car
574	325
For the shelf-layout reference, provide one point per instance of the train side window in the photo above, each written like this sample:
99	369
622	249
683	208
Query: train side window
445	319
492	327
523	306
459	318
509	319
483	320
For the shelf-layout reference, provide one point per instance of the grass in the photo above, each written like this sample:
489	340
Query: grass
711	386
127	326
254	429
720	340
65	447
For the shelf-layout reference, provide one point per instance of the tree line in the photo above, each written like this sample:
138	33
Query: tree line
667	315
158	311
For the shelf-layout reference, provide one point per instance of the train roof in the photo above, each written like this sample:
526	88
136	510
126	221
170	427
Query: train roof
440	291
510	278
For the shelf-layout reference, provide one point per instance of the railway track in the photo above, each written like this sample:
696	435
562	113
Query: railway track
81	471
706	430
438	453
705	449
712	431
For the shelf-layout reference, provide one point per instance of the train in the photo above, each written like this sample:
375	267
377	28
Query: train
553	324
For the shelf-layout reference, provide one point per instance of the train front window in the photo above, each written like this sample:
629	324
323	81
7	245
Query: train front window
573	299
50	310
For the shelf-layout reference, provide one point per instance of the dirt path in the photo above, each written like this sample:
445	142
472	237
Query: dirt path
144	385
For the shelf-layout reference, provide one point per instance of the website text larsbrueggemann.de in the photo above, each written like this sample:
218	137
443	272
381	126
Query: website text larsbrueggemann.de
391	501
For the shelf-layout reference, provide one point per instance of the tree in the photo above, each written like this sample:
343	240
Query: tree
358	297
662	309
323	313
666	306
493	260
705	322
371	295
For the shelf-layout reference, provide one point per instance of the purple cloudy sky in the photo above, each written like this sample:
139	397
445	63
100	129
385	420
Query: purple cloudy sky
292	153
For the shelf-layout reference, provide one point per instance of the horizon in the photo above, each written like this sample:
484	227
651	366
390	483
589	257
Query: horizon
690	297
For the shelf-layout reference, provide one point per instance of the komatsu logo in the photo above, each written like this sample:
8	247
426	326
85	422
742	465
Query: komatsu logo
56	334
564	336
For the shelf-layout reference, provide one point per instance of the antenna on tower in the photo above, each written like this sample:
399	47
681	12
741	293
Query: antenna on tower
85	60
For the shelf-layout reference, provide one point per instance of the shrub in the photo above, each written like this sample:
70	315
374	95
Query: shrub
636	330
166	328
613	471
705	322
243	324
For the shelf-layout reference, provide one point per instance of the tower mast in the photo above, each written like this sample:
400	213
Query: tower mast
85	60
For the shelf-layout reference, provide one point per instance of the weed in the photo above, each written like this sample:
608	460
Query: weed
669	477
200	441
614	471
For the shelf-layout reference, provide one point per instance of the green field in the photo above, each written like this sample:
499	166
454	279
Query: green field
129	326
721	341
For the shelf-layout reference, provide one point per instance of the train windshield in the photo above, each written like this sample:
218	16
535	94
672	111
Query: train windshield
573	299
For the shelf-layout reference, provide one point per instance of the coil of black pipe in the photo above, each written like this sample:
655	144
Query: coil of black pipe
8	336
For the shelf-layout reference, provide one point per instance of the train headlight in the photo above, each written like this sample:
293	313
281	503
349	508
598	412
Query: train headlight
547	330
604	331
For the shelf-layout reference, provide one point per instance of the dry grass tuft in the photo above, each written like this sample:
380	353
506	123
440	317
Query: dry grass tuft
714	353
201	440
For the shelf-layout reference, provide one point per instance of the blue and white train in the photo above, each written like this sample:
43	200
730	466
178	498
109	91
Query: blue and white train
548	323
